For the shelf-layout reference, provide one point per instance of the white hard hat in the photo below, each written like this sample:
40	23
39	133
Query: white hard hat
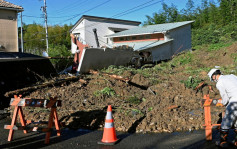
210	73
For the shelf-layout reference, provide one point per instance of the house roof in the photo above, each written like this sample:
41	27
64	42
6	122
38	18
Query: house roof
150	29
7	5
103	19
142	45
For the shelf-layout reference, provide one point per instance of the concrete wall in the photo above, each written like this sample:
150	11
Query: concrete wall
98	58
182	38
86	30
8	31
162	52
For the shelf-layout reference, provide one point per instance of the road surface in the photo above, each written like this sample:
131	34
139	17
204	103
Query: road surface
86	139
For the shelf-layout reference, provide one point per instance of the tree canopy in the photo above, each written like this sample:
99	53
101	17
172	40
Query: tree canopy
215	21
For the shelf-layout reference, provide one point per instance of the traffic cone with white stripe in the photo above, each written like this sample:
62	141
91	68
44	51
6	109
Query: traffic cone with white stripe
109	135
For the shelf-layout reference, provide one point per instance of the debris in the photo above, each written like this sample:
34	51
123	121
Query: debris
153	92
110	75
51	83
173	107
200	85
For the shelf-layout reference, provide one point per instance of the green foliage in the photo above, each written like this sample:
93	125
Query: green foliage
191	82
107	91
136	111
183	59
217	46
190	70
119	70
150	109
34	37
234	55
134	100
60	51
214	22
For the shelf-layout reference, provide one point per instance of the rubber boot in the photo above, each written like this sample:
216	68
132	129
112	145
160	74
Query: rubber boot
223	140
235	141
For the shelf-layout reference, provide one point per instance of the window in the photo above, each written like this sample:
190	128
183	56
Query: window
140	37
127	38
134	37
148	37
121	39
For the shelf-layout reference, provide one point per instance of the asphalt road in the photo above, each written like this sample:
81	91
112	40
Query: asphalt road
87	139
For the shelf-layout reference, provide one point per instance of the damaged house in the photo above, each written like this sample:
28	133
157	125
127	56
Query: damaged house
156	42
125	44
85	28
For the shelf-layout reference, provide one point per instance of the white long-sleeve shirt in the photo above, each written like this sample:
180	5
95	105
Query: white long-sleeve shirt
227	86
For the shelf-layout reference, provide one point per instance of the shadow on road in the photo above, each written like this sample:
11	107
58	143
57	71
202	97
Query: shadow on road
86	119
36	140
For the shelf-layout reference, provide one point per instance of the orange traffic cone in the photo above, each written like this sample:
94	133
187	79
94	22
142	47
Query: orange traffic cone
109	135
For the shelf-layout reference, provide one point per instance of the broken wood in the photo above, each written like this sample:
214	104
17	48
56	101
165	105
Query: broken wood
111	75
126	80
173	107
45	84
199	85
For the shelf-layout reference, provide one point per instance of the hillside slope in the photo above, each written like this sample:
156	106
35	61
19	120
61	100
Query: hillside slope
161	98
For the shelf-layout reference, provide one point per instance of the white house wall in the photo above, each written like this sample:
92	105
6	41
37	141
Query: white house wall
102	30
182	38
161	52
79	29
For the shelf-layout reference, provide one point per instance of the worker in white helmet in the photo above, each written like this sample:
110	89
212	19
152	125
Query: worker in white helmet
227	86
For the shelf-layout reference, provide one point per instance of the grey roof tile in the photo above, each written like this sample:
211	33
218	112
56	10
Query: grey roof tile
6	4
150	29
143	45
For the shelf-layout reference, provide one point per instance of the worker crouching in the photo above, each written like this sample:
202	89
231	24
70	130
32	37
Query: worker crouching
227	86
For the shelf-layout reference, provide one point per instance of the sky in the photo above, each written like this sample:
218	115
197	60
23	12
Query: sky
62	12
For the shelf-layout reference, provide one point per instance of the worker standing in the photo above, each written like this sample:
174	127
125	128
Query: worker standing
227	86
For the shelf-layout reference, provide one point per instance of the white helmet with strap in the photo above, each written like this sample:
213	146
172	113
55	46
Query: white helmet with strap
211	72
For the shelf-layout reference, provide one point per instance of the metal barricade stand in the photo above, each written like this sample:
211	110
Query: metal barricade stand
207	103
19	102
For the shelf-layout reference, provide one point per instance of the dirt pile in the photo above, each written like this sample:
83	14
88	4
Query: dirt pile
159	101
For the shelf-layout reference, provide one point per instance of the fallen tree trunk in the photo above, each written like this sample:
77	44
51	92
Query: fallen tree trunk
45	84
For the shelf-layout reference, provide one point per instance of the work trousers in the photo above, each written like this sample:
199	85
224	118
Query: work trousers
230	119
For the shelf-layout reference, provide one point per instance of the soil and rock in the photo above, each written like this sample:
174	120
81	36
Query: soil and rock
163	105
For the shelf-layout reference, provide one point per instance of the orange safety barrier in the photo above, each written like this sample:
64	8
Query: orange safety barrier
207	103
19	102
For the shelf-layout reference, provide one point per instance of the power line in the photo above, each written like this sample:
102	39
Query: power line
32	16
71	8
86	11
75	4
131	10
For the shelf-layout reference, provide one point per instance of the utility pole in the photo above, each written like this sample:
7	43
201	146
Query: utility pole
46	25
22	47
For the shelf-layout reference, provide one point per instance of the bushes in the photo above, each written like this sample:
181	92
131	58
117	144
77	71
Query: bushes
60	51
211	34
191	82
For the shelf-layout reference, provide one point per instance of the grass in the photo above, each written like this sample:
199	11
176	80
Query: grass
133	100
189	63
217	46
107	91
192	82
